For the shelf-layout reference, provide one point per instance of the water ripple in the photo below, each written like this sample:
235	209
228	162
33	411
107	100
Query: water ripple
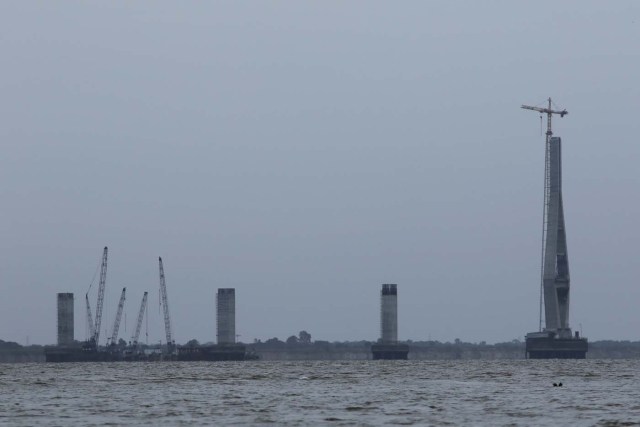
481	393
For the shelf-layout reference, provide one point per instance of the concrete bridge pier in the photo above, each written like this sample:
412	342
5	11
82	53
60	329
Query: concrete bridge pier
387	347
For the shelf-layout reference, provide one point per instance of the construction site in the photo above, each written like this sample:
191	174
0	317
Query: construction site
91	350
553	340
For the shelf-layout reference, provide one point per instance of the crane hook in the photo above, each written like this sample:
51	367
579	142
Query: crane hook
541	127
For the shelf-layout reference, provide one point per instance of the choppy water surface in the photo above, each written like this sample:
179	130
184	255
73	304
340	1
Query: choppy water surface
594	392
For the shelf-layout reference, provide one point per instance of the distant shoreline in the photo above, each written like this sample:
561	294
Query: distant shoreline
11	352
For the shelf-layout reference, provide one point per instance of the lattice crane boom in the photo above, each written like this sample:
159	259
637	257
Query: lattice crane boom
103	281
143	308
165	304
116	323
90	324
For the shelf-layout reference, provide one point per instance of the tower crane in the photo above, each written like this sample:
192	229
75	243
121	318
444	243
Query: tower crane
116	323
89	317
549	112
547	185
143	308
165	306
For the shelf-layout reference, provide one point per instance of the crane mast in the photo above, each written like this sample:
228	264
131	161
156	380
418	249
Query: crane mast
143	308
89	316
547	185
103	280
165	306
116	323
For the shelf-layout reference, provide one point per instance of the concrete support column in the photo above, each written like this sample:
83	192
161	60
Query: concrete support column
226	315
65	319
389	314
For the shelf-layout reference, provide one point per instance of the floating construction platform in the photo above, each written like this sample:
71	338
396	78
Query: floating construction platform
88	352
213	353
546	345
390	351
78	354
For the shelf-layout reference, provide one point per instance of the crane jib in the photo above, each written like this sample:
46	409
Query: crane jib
165	304
143	307
101	287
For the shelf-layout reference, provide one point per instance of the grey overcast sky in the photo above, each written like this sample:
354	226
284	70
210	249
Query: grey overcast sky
307	152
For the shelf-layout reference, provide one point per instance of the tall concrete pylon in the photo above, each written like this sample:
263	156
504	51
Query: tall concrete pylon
556	340
555	276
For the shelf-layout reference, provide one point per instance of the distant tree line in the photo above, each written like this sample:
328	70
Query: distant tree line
12	351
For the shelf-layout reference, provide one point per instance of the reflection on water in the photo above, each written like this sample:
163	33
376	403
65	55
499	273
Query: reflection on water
362	392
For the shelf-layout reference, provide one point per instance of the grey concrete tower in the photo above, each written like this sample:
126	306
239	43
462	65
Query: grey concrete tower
556	340
226	315
387	347
389	314
65	319
555	275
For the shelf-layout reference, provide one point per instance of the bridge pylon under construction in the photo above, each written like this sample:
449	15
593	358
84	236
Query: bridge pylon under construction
555	340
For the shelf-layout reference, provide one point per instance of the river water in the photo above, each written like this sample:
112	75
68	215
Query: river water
517	392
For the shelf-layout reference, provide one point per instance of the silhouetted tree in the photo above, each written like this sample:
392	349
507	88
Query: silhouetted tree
304	337
273	341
